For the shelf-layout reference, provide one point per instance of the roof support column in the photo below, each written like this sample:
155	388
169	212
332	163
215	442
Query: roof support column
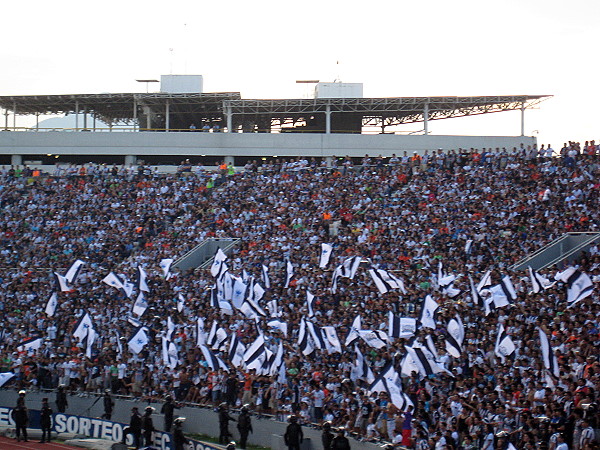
134	113
76	116
6	119
167	116
426	118
522	118
328	118
14	116
84	119
229	118
37	121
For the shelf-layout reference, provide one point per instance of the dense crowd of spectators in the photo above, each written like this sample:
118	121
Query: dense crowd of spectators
403	214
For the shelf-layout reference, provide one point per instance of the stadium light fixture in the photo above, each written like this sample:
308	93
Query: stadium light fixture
147	83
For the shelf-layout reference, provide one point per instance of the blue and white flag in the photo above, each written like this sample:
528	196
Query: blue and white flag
114	281
52	304
165	265
217	265
238	293
62	283
5	377
501	295
273	308
305	343
579	284
504	344
278	325
310	303
140	305
353	334
326	250
401	327
83	326
385	281
374	338
30	345
214	362
289	272
455	336
255	355
265	276
317	335
73	271
142	280
200	333
428	309
138	340
252	310
361	369
180	302
236	351
332	342
539	283
548	355
216	336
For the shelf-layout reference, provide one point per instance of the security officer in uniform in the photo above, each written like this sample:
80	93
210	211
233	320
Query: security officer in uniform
179	439
293	436
134	428
244	425
327	435
340	442
148	426
109	404
21	417
224	419
45	420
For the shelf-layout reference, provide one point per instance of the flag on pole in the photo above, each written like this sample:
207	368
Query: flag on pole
539	283
114	281
353	333
455	336
255	354
214	362
304	342
310	304
200	333
504	344
239	292
52	304
74	271
30	345
236	351
265	276
315	332
385	281
374	338
361	369
165	265
428	309
326	250
140	305
62	283
548	355
332	342
251	310
289	269
170	328
142	280
138	340
82	326
579	284
401	327
5	377
218	260
180	302
278	325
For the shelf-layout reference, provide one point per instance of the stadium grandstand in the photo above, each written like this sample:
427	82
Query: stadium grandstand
408	291
337	121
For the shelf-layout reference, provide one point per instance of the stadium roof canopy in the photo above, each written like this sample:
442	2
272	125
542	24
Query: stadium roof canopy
172	111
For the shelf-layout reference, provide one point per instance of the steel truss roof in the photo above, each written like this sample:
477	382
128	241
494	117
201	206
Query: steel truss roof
184	108
392	111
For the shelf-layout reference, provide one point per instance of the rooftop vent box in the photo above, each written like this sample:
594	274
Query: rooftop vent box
181	84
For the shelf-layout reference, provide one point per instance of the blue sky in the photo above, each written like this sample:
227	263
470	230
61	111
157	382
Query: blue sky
396	48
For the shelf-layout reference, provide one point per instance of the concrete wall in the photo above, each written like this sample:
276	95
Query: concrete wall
267	432
238	144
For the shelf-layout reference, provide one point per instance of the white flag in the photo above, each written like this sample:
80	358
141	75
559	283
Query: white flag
5	377
428	309
142	280
220	257
62	283
579	284
114	281
180	302
326	250
504	344
310	303
332	341
83	325
140	305
548	355
289	272
52	304
74	271
236	351
138	340
165	265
